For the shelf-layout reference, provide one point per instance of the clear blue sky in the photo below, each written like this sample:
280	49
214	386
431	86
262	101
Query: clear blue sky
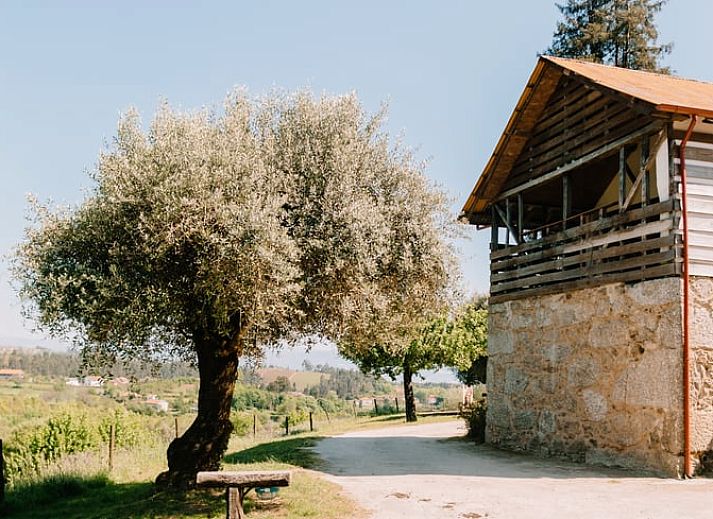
451	72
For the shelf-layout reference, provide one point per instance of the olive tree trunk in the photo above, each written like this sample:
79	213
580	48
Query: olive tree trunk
203	444
408	393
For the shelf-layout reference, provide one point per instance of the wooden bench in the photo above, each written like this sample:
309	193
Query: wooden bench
237	484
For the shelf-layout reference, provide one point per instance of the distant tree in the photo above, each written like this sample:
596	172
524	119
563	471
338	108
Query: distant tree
280	385
465	342
614	32
393	361
213	234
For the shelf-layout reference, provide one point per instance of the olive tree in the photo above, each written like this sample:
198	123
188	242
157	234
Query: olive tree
211	234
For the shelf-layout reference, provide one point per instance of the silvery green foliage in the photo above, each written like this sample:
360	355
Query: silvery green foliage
273	218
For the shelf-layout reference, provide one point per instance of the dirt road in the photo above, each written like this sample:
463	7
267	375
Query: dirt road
422	471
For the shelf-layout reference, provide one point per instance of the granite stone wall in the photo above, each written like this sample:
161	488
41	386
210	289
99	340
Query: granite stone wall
595	375
701	344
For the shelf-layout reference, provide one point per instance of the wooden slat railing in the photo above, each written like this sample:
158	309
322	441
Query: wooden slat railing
642	243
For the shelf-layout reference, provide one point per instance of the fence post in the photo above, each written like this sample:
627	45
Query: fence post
355	410
376	407
287	425
111	447
175	423
2	474
396	399
254	425
311	426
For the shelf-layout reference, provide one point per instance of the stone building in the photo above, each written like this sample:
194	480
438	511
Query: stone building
599	196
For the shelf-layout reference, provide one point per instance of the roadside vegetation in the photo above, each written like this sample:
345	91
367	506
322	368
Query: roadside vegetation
56	443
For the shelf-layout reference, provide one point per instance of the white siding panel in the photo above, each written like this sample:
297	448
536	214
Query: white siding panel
700	214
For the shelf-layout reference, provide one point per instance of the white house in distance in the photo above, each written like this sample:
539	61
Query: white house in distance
599	197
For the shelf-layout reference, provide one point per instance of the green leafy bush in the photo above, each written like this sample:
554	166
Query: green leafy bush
474	416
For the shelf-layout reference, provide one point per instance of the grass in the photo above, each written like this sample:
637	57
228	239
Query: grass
130	493
79	487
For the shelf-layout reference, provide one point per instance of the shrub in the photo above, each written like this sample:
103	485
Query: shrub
474	416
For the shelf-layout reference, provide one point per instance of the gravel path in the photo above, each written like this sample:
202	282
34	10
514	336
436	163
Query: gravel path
423	471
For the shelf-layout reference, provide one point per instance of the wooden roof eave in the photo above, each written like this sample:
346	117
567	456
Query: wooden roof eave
533	100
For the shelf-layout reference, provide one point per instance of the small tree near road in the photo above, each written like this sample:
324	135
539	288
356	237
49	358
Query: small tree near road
210	235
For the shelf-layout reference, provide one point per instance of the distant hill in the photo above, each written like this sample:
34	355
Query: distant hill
301	379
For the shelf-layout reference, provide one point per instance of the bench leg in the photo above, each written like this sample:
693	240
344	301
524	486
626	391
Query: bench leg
234	501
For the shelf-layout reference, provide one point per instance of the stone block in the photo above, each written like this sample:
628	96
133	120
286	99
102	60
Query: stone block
653	381
498	413
500	342
583	372
595	405
555	353
524	420
547	422
516	381
669	333
702	430
656	292
608	333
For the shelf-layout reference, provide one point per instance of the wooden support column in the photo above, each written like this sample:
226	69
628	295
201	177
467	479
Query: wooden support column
508	220
520	217
566	199
622	178
645	196
494	229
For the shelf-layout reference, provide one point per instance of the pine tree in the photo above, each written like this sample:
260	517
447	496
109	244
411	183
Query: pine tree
615	32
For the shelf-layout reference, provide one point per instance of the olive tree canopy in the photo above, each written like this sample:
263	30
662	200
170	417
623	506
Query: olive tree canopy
214	233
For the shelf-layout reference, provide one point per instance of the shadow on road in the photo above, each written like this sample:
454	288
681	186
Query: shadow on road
404	455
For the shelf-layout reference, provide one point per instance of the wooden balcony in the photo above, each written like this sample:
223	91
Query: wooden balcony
588	250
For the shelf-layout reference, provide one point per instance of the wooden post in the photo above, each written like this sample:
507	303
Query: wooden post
622	178
254	425
355	409
234	503
311	425
508	220
520	219
175	423
494	229
566	200
287	425
376	407
111	447
396	401
2	474
644	170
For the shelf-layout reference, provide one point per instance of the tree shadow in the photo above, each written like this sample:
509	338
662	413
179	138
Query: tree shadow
293	451
412	455
74	497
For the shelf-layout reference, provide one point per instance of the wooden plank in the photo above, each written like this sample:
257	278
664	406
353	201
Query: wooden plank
539	258
599	152
572	139
222	479
595	226
556	124
656	227
584	272
588	256
584	144
665	270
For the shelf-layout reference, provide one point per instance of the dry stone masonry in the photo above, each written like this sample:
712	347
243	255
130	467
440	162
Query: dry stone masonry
595	375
